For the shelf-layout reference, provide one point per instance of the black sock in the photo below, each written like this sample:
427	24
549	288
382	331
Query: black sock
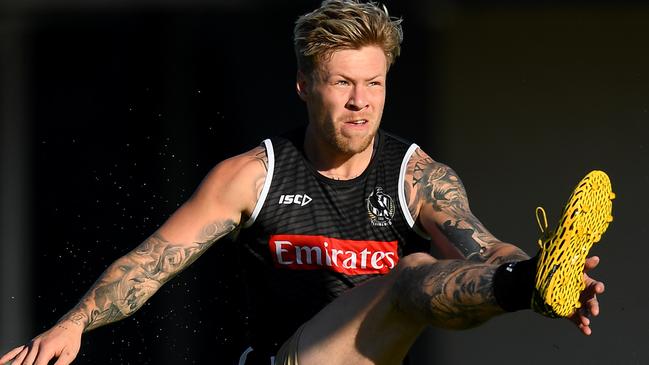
513	283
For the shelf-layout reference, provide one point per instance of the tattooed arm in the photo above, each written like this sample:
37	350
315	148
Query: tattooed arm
223	200
455	288
131	280
438	202
229	192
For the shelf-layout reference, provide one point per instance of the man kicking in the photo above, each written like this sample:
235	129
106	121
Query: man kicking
332	205
378	321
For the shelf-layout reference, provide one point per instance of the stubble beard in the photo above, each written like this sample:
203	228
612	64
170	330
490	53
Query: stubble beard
347	145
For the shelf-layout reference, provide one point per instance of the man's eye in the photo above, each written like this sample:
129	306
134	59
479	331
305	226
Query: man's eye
342	82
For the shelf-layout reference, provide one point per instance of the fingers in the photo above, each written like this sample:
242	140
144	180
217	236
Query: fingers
44	357
11	354
590	304
27	354
58	342
592	286
580	318
21	356
590	308
591	263
65	358
585	330
589	296
593	306
33	351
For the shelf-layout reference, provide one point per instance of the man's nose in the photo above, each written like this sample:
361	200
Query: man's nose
357	99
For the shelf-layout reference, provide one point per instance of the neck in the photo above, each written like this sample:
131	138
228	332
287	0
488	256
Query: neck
331	162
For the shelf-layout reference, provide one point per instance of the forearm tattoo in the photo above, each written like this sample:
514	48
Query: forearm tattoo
438	187
129	282
450	293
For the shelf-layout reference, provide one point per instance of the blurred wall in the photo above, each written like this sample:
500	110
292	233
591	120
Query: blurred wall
111	115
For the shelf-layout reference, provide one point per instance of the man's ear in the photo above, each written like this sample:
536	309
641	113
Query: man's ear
302	85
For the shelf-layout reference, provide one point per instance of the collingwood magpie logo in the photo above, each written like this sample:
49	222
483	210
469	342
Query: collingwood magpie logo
380	208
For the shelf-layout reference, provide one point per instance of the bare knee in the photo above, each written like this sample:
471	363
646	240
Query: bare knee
415	260
409	263
405	285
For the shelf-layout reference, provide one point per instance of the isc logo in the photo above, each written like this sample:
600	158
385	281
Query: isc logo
298	199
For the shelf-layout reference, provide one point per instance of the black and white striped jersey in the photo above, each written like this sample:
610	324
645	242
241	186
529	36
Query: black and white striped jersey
311	237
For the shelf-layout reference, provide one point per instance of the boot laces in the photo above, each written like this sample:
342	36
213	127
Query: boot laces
542	221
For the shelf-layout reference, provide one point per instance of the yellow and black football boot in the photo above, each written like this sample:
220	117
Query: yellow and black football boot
559	277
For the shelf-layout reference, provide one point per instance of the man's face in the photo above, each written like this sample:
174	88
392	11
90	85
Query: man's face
345	98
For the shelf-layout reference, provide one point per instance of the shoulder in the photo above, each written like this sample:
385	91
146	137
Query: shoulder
427	180
238	180
245	165
423	170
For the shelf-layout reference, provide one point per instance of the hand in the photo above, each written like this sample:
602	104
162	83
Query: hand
61	341
588	299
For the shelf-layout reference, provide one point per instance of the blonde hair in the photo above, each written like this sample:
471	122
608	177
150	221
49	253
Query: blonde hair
344	24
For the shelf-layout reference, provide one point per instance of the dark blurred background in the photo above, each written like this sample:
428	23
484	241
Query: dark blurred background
112	112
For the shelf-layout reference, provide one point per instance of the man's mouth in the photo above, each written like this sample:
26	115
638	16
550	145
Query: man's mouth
357	121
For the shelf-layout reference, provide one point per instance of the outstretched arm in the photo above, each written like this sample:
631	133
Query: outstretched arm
465	296
225	198
131	280
438	202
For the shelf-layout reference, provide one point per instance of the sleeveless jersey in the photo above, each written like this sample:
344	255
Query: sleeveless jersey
311	237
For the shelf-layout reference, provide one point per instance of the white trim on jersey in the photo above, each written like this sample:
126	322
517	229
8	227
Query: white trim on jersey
244	356
270	154
402	193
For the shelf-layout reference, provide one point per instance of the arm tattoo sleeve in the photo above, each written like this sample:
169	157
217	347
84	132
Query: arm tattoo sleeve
131	280
436	186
